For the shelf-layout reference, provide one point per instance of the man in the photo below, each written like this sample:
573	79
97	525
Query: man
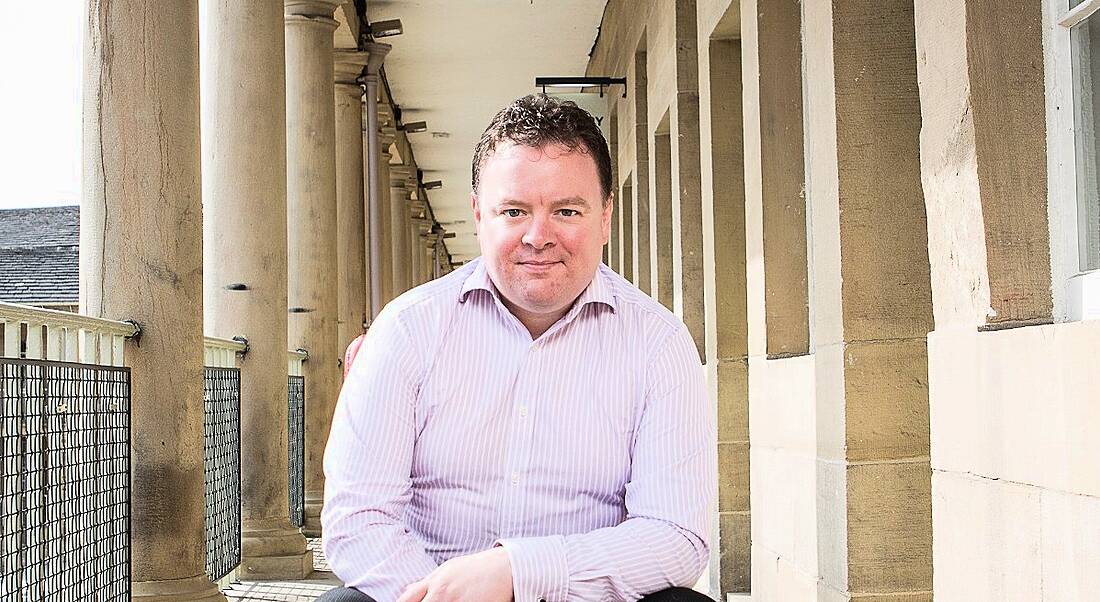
530	426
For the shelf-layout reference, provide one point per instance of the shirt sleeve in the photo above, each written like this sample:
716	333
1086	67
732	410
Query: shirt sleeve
368	464
663	542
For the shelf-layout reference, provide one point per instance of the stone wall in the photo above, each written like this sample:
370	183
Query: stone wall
878	318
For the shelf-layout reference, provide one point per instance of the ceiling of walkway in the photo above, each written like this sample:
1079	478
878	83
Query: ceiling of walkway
458	62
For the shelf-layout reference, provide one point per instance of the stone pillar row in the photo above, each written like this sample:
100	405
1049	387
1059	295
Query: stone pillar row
311	222
242	248
244	208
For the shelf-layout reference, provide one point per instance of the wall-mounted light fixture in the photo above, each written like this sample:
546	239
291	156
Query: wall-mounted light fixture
433	185
385	29
414	127
580	82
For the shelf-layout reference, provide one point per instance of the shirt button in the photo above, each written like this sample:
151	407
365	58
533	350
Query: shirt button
522	411
515	478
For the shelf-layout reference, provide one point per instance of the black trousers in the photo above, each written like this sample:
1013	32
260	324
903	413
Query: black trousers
672	594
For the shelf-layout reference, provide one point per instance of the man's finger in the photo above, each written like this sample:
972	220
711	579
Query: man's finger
415	592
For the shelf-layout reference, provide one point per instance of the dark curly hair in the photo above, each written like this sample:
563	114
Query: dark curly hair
537	120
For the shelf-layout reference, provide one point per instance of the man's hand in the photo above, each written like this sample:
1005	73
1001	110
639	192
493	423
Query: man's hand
482	577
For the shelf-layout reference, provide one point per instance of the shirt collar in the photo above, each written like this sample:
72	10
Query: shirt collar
597	291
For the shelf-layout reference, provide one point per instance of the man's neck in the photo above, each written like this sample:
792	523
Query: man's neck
535	323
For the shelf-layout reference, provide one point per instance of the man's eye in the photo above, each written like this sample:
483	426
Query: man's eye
569	212
512	212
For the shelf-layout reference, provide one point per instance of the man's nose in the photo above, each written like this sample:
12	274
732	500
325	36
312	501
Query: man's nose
540	232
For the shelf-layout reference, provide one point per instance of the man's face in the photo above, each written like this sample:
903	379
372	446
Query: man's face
541	223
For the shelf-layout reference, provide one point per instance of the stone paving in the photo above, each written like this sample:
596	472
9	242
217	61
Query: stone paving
307	590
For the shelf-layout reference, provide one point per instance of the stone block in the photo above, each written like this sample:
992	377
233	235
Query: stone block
1070	527
830	521
781	403
774	579
783	516
733	477
1019	404
889	527
293	567
734	548
886	400
830	438
986	539
949	167
764	573
733	400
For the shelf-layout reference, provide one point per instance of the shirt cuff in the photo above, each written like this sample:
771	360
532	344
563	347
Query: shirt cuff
539	570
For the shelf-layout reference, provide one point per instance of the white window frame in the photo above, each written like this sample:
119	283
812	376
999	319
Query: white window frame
1076	293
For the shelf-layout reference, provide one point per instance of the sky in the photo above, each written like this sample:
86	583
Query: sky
40	59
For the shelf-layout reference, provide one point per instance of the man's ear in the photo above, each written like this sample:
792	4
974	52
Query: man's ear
608	211
476	209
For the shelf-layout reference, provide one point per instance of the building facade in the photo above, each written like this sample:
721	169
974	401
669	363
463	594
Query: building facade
879	221
872	218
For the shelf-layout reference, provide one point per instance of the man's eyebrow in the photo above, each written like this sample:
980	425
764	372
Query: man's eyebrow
573	200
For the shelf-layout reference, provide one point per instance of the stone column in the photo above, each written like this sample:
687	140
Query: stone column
430	241
421	228
871	298
351	302
141	260
687	265
385	142
311	220
373	182
399	202
416	197
415	219
244	244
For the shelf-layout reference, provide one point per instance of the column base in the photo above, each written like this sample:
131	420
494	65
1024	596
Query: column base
312	525
273	549
192	589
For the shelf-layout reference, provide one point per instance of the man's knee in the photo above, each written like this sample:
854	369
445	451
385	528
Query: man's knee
344	594
677	594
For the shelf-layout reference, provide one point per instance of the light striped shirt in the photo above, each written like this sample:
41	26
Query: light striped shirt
588	453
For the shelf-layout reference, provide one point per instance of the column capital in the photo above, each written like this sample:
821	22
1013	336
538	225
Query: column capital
377	53
399	175
320	11
347	67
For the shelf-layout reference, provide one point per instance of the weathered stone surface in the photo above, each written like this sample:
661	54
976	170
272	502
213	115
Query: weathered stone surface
733	477
311	222
889	509
783	183
733	401
141	260
735	551
886	400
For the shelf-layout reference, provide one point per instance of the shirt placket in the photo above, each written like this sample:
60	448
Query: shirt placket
520	443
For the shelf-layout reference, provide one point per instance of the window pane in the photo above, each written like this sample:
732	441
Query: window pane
1086	74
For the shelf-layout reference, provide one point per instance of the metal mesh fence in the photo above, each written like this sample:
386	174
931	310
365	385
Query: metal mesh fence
222	469
296	417
65	485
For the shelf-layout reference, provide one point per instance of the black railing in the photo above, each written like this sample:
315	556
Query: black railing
222	469
296	445
65	485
